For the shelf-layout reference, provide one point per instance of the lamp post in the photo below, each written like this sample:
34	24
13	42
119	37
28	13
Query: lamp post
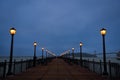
103	33
42	55
42	52
35	44
69	56
69	53
12	32
73	54
66	55
46	55
81	63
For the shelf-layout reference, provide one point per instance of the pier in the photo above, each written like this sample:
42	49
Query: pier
57	69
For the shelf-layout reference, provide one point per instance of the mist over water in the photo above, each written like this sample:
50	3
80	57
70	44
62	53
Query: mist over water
111	57
17	58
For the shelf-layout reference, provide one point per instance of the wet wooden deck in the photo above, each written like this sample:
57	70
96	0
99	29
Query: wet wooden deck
58	69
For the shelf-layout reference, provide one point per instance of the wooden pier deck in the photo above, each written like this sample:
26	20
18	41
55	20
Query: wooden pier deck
58	69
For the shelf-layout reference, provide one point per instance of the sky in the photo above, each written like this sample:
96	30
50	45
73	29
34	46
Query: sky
59	25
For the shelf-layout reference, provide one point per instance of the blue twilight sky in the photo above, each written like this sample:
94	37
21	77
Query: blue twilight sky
59	25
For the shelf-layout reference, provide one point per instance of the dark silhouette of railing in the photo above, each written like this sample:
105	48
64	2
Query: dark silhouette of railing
112	68
21	66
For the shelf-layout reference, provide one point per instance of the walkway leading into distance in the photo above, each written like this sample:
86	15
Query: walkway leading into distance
58	69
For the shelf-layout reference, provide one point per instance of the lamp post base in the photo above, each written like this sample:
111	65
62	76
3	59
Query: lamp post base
105	73
10	73
34	61
81	63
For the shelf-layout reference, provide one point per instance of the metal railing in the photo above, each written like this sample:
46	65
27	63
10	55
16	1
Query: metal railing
21	66
113	69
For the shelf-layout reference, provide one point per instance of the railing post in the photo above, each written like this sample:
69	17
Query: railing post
88	64
93	66
14	67
30	64
110	69
4	71
26	64
21	64
100	67
117	70
83	63
78	61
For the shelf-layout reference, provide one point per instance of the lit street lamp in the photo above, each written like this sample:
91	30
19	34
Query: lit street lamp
46	53
69	54
46	56
81	53
103	33
12	32
73	54
42	52
34	44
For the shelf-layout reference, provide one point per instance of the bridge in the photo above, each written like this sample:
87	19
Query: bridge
59	68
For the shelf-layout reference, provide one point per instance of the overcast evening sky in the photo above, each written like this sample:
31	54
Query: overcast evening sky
59	25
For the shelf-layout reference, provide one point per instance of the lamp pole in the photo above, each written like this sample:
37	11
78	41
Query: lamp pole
42	52
12	32
103	33
42	55
46	55
35	44
69	54
73	54
81	62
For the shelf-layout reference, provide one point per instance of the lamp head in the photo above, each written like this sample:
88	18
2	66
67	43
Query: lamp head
72	48
81	44
12	31
103	31
35	44
42	48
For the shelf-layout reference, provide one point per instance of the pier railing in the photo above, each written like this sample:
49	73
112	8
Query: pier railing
21	66
113	69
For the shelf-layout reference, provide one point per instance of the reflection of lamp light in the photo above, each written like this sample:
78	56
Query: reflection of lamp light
12	32
103	33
